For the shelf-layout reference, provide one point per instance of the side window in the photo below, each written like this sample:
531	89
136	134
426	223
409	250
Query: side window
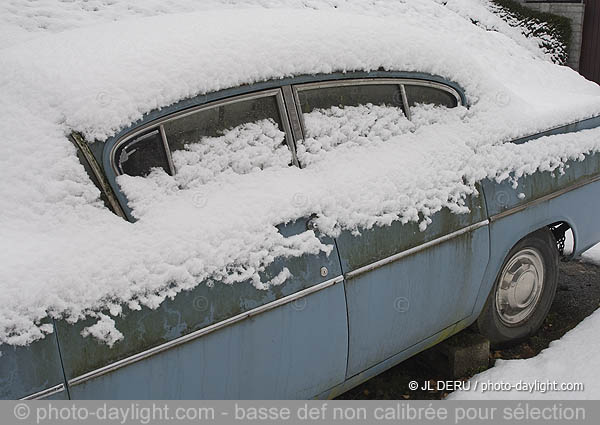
348	115
240	136
417	94
140	155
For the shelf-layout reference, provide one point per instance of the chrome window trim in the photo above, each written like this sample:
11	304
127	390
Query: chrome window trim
401	82
276	92
405	102
45	393
411	251
105	186
202	332
293	116
163	136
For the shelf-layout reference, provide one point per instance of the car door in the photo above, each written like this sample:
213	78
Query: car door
32	371
402	284
219	341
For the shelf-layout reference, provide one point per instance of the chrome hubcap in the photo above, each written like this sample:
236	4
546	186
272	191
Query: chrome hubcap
520	287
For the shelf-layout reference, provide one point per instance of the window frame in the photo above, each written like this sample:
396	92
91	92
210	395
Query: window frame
159	125
401	82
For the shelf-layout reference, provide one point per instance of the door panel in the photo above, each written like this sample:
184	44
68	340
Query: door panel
295	351
394	306
28	370
204	306
400	304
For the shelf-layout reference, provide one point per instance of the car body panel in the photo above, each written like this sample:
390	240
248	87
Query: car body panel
294	351
31	369
322	334
202	307
400	304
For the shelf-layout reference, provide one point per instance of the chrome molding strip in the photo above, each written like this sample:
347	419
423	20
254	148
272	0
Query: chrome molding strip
544	198
204	331
412	251
45	393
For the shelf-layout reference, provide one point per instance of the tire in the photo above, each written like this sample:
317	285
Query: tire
523	292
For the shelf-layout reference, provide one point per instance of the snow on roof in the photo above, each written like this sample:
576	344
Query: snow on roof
65	255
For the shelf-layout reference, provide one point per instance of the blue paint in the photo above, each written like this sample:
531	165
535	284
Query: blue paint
396	306
191	310
295	351
30	369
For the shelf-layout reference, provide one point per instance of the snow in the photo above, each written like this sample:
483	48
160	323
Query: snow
70	67
349	127
246	148
569	360
592	255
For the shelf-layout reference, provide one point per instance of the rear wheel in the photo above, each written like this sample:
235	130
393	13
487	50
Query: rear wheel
523	292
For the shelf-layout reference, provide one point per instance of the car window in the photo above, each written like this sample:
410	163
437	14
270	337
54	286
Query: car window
240	136
419	94
141	154
343	117
350	95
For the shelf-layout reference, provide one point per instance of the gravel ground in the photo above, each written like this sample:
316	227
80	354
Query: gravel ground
577	297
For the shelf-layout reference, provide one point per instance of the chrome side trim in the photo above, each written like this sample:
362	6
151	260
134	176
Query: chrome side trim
416	249
204	331
265	93
45	393
544	198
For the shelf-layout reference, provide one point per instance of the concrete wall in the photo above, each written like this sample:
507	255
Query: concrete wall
572	10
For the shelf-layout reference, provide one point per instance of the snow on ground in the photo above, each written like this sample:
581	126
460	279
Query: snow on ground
592	255
66	256
570	360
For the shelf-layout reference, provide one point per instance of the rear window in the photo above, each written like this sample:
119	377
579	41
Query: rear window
418	94
142	154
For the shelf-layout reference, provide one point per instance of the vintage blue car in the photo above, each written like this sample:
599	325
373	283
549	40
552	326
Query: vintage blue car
383	295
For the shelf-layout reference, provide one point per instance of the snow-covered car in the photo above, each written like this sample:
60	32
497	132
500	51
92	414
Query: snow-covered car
282	225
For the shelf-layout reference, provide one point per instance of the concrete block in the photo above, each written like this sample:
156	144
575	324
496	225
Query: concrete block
461	355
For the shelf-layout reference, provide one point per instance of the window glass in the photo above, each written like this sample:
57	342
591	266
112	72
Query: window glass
429	95
239	137
140	155
354	95
346	117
